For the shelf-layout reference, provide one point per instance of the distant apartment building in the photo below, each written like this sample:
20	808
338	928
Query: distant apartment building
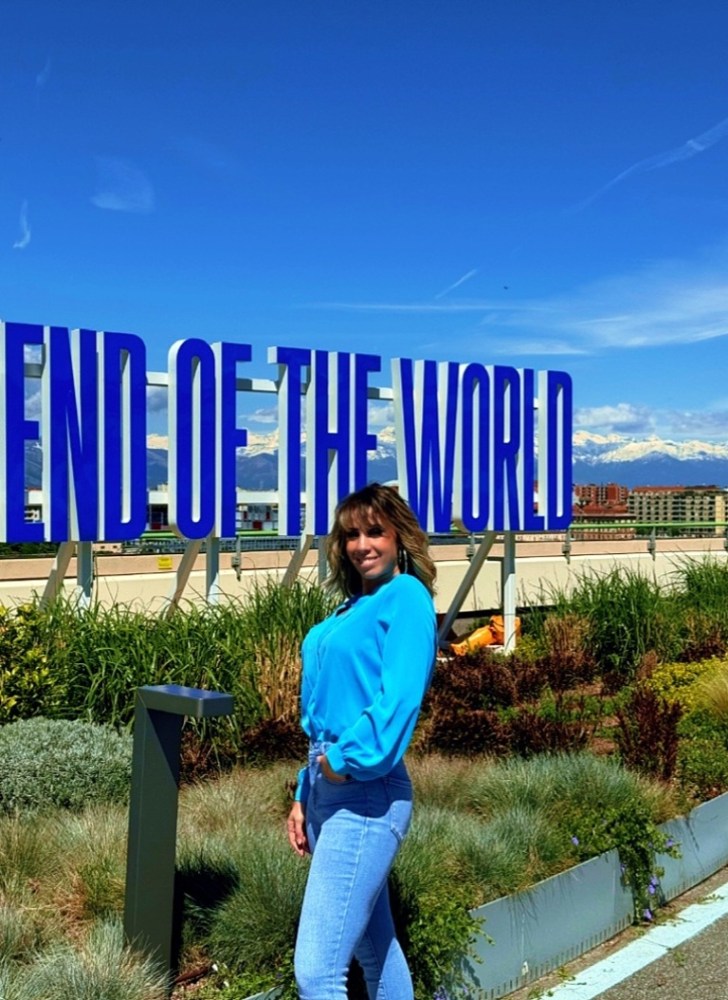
701	506
601	494
600	512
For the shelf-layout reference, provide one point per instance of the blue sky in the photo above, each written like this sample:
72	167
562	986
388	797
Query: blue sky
528	182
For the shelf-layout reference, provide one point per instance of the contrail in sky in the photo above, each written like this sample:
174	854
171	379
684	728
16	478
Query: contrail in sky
455	284
685	152
24	240
41	79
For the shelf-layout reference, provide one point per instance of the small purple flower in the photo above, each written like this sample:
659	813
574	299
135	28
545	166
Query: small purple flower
654	880
670	843
575	841
651	889
647	914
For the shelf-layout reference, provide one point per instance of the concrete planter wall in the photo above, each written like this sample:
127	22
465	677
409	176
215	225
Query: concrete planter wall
535	931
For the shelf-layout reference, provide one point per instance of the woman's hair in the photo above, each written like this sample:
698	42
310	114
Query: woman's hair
368	505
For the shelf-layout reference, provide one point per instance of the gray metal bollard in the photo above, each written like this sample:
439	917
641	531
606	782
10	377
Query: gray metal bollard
150	859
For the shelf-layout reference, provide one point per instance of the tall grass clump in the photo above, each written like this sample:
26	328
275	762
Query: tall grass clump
277	619
62	662
699	597
593	805
703	586
712	696
104	654
628	616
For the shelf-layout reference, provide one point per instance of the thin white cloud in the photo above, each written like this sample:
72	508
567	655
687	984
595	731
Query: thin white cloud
157	441
24	239
708	423
263	415
660	303
42	78
156	399
32	402
625	422
122	187
456	284
380	414
624	418
403	307
518	348
688	149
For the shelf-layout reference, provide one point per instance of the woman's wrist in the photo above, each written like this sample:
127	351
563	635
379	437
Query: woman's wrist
328	771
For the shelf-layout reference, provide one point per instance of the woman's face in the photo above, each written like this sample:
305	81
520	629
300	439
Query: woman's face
372	547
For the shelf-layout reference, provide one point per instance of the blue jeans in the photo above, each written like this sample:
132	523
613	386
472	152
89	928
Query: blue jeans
354	829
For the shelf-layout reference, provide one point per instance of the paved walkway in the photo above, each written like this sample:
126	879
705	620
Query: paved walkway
684	958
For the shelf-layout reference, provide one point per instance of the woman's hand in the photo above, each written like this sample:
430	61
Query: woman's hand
326	770
297	830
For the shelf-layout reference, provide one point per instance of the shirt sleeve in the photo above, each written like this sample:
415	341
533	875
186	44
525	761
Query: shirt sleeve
378	739
303	786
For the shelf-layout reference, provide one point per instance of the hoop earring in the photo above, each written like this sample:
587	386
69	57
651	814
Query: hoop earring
403	561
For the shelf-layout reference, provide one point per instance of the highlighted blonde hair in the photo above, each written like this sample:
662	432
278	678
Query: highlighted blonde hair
370	505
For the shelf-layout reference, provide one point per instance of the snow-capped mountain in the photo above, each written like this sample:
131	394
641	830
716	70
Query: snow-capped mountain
651	461
598	458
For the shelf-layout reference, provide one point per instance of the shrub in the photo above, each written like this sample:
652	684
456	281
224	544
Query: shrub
681	681
647	734
531	731
702	768
703	636
463	712
247	648
568	657
27	685
47	762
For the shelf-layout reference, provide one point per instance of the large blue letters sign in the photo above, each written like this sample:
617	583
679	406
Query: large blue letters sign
473	441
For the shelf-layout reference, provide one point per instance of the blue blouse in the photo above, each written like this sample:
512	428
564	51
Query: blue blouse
366	669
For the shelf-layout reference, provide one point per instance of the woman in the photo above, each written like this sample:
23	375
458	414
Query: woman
365	671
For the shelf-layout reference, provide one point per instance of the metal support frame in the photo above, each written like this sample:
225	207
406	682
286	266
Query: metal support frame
323	563
509	582
150	869
566	546
213	589
466	583
84	574
652	544
54	583
292	570
191	552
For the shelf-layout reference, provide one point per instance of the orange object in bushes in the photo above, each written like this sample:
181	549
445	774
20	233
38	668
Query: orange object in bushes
492	634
